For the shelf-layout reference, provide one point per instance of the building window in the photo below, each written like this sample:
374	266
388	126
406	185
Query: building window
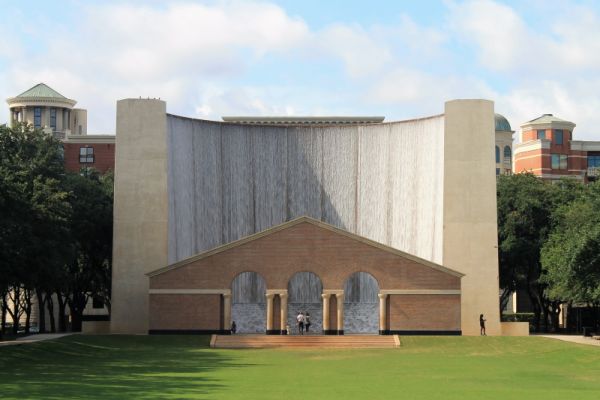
507	154
541	134
53	118
497	171
559	161
86	154
37	117
558	136
594	161
497	154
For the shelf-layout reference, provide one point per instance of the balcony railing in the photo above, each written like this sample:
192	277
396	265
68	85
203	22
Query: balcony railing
593	172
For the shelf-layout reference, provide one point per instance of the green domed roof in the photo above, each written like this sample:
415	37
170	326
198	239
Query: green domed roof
502	123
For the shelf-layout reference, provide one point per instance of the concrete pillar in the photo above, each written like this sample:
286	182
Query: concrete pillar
382	313
283	313
226	312
325	297
270	313
340	313
12	118
23	114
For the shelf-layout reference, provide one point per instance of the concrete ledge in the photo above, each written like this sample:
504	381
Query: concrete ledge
95	327
424	333
515	328
189	332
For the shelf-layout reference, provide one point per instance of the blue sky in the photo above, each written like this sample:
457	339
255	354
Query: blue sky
400	59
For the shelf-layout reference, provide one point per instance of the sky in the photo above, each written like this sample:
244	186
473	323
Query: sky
399	59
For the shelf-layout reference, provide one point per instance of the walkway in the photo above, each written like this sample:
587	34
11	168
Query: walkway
34	338
574	339
305	341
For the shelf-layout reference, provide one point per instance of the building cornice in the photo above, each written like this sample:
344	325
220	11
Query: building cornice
585	145
90	139
40	102
530	126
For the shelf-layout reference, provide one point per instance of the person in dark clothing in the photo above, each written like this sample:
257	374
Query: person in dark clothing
307	322
482	325
233	327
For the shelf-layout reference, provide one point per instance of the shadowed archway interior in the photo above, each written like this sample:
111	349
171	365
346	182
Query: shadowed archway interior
361	304
248	302
304	295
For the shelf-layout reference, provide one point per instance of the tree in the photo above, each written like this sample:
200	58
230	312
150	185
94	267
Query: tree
33	214
88	272
525	205
571	256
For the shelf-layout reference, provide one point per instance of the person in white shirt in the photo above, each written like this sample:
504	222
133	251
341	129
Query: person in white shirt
300	319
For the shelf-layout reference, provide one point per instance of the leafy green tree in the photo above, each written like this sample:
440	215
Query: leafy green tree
88	272
571	256
33	215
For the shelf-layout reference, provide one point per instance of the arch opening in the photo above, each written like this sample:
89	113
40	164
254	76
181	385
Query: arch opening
248	302
361	304
304	295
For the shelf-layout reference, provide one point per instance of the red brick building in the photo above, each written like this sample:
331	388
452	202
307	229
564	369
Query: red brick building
547	149
359	286
89	151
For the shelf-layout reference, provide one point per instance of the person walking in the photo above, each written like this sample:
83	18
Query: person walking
482	325
300	320
307	322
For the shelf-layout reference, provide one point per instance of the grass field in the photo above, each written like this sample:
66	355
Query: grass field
184	367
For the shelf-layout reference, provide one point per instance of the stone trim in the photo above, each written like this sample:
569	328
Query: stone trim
294	222
190	291
333	291
420	292
277	291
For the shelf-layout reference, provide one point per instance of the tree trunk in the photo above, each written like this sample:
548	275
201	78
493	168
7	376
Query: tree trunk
16	312
50	306
3	315
41	311
504	299
27	307
62	318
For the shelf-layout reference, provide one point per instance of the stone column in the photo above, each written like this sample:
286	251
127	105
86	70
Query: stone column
12	118
340	313
325	297
23	114
283	313
382	313
269	313
227	312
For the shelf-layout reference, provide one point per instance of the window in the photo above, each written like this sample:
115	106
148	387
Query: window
541	134
37	117
507	154
594	161
559	161
497	154
86	154
558	136
53	118
497	171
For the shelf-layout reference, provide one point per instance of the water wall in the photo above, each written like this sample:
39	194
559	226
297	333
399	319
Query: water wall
380	181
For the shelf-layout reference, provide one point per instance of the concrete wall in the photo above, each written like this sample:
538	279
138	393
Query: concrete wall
140	210
470	223
514	328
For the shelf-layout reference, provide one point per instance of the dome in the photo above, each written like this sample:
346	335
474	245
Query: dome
502	123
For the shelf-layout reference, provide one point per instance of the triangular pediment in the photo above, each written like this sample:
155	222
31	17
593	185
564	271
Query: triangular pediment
290	224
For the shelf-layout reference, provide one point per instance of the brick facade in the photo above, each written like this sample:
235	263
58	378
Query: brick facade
306	246
104	156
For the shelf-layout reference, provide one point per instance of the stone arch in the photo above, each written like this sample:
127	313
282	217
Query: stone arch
304	295
248	302
361	303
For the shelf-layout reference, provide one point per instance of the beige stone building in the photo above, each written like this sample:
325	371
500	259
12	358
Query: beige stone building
197	203
504	145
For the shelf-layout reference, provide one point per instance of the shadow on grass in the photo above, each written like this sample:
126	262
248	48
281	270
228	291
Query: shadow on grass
113	367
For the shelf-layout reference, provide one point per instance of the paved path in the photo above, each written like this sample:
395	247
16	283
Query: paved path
574	339
34	338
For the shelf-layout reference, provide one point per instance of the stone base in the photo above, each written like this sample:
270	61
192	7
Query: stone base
333	332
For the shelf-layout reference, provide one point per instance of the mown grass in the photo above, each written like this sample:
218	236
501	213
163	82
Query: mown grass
184	367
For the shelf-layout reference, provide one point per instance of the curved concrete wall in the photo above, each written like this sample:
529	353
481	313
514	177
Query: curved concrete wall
381	181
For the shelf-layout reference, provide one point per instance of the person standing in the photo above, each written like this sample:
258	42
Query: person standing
307	322
482	325
300	320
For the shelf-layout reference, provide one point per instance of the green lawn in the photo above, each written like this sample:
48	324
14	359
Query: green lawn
184	367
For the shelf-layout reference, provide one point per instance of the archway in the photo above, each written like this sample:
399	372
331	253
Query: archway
248	302
304	295
361	304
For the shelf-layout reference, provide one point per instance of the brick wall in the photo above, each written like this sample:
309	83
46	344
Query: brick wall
104	156
306	247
